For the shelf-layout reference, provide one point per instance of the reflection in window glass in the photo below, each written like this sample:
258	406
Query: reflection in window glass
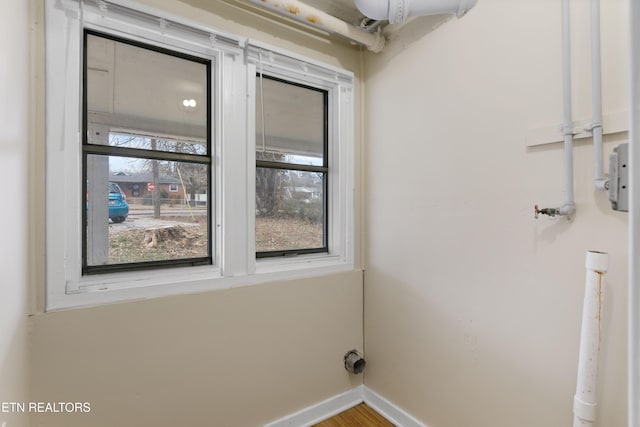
145	92
157	143
290	122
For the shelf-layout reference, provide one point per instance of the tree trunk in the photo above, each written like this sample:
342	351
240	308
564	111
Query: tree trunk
156	183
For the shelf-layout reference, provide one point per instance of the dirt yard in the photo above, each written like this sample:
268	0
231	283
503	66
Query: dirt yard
274	234
141	239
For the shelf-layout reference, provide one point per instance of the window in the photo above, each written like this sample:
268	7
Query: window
291	168
182	159
145	115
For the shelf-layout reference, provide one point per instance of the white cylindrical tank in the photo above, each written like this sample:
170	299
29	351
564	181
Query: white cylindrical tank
399	11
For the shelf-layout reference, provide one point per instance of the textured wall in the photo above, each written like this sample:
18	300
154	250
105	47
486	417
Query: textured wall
14	149
472	307
240	357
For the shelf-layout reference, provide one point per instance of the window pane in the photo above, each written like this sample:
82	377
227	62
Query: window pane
290	210
290	123
134	217
270	156
139	91
145	142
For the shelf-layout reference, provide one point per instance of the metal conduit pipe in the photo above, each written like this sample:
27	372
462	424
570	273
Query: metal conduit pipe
311	16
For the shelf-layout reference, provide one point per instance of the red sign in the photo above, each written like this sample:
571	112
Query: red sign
151	186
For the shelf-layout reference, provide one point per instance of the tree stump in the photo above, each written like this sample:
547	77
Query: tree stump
154	236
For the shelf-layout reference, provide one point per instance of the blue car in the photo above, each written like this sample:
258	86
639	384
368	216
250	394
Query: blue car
118	206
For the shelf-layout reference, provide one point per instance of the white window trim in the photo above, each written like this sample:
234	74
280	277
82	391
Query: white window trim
339	85
234	62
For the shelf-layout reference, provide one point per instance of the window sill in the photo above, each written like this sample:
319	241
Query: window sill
130	286
296	263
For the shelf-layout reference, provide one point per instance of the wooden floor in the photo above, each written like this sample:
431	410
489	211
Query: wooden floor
360	415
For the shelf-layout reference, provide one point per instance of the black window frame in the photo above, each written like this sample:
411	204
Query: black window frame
324	170
107	150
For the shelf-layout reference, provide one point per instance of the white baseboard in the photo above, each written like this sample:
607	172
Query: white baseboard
388	410
321	411
340	403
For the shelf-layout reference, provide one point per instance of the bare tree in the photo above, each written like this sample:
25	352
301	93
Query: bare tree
270	184
156	182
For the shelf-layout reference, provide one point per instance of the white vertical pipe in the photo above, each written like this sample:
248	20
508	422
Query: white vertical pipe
569	207
567	124
596	94
584	402
633	382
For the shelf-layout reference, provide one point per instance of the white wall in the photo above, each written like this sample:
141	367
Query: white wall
241	357
14	148
473	307
237	357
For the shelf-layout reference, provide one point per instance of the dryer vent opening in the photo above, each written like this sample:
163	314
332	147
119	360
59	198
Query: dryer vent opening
354	362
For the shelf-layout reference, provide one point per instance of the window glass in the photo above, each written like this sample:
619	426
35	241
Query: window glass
291	168
290	210
157	143
137	217
146	93
146	156
290	122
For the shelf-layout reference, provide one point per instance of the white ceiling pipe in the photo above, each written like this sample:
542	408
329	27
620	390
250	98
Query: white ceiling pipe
584	402
311	16
399	11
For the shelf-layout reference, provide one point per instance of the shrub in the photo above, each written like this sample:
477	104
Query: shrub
306	210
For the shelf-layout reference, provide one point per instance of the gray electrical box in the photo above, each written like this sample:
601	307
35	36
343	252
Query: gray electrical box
619	178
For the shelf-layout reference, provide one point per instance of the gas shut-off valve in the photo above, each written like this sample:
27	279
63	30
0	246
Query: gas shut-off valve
546	211
568	209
